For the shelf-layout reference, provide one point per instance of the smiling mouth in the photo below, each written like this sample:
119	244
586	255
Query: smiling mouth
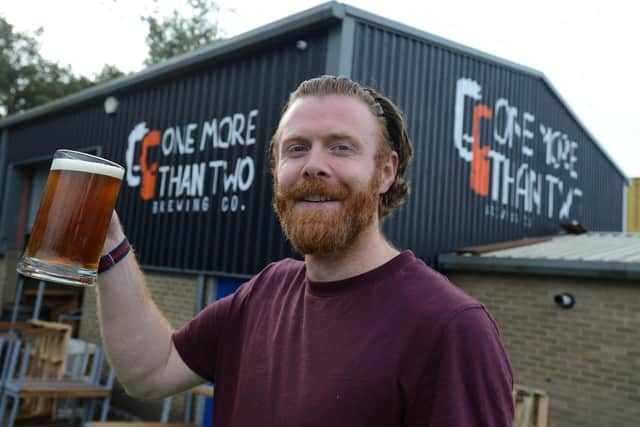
318	199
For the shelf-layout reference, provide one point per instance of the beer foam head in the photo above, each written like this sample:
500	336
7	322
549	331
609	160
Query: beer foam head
89	167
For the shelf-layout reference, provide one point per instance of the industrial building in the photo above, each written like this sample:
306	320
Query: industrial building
193	135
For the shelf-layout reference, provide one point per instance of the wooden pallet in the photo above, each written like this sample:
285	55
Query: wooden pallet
49	343
531	407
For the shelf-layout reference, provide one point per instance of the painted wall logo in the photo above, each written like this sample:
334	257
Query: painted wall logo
515	190
157	161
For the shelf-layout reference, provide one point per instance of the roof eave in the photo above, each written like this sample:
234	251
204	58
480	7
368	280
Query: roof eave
540	267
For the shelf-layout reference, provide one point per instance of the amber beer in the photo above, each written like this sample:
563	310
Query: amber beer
71	225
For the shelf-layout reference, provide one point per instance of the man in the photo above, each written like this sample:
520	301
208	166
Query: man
359	334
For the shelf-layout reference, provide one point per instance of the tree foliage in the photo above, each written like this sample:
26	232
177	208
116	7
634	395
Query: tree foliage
108	72
180	33
28	80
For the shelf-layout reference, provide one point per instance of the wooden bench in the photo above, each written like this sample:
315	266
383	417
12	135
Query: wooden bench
202	390
52	388
60	389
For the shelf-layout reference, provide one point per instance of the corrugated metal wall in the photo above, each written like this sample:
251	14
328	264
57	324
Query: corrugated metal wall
197	192
445	211
209	204
633	206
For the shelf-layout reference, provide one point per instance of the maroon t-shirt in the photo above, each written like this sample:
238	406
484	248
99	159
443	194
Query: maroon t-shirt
396	346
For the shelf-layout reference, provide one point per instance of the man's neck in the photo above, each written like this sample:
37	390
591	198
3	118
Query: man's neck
370	250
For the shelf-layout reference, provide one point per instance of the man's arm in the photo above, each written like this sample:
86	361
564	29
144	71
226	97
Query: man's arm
136	335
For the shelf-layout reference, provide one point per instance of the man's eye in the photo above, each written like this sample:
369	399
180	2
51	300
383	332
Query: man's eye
296	148
341	147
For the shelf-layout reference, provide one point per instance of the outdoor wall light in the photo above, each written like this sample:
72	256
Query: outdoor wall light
301	44
565	300
111	105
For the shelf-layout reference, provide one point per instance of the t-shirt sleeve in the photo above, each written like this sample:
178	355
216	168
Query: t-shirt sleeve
201	341
468	381
198	340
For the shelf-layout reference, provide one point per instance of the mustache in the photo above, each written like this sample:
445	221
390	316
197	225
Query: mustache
315	187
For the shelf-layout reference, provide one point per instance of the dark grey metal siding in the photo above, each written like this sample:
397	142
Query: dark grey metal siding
245	83
241	91
443	211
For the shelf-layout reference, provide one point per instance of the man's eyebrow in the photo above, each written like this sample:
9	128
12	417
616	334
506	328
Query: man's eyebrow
339	135
294	137
330	137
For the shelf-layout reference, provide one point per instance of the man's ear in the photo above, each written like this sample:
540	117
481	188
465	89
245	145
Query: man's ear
389	172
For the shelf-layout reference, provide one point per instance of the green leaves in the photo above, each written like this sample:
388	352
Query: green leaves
28	80
180	33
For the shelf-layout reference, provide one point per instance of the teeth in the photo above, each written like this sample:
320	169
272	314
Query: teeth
317	199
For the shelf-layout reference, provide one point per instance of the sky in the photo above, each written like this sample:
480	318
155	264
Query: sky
587	49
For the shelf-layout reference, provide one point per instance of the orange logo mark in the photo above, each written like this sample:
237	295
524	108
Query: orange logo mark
480	162
148	186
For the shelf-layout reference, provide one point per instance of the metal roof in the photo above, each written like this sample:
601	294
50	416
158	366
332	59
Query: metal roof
608	255
614	247
322	15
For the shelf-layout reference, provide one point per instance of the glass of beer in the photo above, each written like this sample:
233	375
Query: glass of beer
71	225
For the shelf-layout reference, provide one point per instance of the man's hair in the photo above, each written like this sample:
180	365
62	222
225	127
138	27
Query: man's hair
393	133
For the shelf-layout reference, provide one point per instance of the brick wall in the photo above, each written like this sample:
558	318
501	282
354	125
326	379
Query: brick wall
175	296
587	358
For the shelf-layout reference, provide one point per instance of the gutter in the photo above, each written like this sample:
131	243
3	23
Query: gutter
540	267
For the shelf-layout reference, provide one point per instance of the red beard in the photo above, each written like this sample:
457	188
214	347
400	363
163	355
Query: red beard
324	232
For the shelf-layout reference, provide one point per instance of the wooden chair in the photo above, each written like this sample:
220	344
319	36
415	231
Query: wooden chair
19	386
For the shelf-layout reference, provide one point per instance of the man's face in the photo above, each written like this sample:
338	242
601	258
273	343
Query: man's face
327	182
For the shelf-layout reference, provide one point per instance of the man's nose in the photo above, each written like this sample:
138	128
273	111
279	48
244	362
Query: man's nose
317	165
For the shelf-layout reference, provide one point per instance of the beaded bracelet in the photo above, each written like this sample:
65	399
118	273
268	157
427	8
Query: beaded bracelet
115	256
